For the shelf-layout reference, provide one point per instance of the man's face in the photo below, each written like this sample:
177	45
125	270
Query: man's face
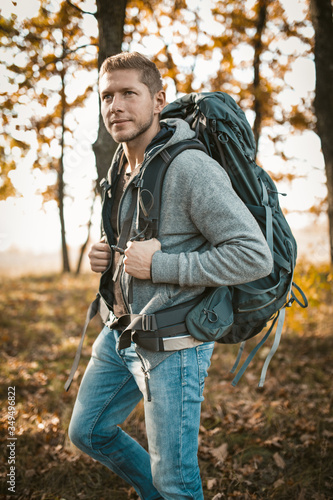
127	107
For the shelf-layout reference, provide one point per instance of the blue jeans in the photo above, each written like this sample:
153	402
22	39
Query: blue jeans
112	385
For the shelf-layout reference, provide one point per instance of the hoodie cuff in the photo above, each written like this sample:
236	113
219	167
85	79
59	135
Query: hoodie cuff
165	268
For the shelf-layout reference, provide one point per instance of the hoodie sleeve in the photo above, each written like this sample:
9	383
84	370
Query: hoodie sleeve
235	250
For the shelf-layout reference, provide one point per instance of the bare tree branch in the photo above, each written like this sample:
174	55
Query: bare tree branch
80	10
82	47
65	54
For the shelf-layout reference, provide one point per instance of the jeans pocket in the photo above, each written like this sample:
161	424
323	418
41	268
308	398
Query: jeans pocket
204	354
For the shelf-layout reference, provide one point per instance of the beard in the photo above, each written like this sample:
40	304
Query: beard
130	135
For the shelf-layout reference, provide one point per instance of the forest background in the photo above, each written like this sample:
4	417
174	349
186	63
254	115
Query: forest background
274	58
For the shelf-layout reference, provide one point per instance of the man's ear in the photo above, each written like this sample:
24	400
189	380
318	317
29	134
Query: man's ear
160	100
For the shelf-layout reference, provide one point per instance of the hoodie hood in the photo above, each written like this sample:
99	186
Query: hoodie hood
173	130
182	130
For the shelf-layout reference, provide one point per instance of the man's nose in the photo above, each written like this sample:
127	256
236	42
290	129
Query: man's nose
116	104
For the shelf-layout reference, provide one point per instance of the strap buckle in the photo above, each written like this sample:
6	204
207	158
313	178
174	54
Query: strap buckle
137	182
117	249
149	323
111	319
105	185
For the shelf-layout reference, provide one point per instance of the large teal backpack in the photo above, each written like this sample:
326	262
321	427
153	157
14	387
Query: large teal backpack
235	314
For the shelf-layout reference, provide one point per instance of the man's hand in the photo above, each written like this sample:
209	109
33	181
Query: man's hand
99	256
138	257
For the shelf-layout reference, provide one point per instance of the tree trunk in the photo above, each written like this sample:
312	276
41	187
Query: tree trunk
258	48
321	14
111	18
65	258
83	249
85	244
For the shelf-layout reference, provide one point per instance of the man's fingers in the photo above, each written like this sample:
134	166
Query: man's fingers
100	251
99	265
98	269
152	244
99	256
138	257
100	247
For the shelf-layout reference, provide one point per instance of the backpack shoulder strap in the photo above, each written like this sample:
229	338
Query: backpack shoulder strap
150	190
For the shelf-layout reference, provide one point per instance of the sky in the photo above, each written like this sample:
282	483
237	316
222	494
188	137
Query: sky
28	224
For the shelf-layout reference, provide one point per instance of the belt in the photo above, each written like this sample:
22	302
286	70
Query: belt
158	344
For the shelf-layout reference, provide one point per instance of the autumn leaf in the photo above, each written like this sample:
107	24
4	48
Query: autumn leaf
279	460
221	452
211	483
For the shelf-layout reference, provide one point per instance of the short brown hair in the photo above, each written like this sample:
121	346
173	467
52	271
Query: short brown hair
149	74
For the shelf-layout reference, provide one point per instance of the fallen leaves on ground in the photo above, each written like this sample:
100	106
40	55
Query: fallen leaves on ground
274	442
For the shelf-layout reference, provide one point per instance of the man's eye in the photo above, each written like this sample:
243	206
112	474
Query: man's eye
107	97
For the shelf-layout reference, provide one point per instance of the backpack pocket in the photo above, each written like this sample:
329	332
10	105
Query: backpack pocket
213	317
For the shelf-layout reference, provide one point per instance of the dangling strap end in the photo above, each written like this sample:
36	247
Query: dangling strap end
240	352
125	340
92	311
252	354
275	345
117	271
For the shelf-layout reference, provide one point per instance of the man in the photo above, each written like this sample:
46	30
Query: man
207	237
